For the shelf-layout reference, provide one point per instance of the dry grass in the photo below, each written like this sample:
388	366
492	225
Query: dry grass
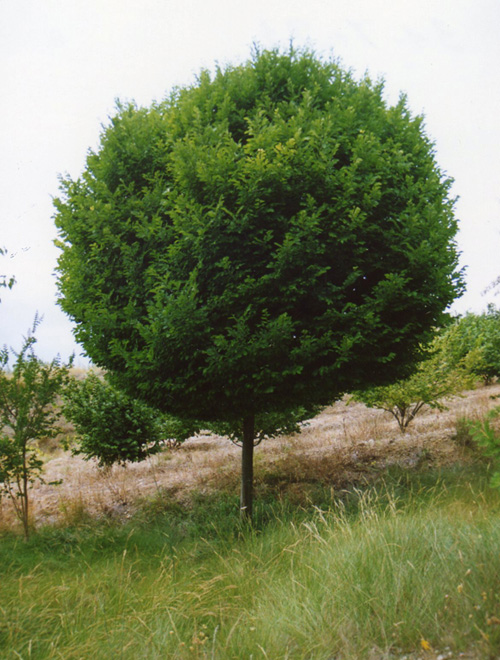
347	443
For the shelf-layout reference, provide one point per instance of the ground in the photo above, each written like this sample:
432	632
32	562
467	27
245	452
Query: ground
347	443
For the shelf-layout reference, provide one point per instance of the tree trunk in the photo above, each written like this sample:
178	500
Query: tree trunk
246	498
24	499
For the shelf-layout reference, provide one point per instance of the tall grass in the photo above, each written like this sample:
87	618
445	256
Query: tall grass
375	573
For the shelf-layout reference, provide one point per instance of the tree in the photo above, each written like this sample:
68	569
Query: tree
436	378
114	428
28	412
258	244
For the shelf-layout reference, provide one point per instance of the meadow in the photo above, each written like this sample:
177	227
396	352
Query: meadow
366	543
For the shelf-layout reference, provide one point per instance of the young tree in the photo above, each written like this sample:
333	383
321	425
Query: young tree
435	379
114	428
257	244
28	412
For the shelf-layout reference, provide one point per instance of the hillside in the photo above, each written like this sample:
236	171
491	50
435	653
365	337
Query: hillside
346	444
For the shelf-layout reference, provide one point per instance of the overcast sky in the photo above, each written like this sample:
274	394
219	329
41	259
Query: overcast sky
64	62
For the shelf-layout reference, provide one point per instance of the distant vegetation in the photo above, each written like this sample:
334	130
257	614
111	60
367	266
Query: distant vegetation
476	338
442	374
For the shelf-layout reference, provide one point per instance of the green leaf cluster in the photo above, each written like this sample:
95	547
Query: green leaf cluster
487	435
476	339
259	242
115	428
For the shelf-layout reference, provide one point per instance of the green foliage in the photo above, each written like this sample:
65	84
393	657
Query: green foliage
259	241
115	428
28	412
463	436
475	338
487	435
434	379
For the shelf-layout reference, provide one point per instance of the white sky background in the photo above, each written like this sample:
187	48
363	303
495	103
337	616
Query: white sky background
64	62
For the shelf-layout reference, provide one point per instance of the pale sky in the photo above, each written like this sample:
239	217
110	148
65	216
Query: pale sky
64	62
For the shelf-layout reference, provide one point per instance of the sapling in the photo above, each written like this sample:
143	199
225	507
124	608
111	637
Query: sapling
28	413
434	380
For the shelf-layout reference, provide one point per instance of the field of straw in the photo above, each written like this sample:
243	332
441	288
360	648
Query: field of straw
346	444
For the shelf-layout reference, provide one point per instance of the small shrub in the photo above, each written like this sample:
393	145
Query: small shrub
487	435
28	412
113	427
463	435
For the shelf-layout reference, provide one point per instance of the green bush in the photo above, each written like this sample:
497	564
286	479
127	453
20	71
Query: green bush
463	435
115	428
487	435
475	338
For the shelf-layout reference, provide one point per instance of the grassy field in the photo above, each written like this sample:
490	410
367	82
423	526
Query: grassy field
399	558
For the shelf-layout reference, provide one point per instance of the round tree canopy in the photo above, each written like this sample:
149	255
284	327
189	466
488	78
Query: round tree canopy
270	237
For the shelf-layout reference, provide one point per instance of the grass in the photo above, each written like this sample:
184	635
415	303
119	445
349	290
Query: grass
391	569
365	544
